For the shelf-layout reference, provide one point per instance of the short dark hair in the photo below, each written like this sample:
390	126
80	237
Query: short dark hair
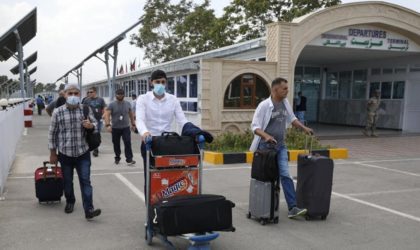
157	74
277	81
119	91
93	88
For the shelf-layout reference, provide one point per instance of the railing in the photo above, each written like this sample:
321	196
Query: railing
11	130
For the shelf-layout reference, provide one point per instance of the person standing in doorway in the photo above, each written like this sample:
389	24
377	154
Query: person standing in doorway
301	107
67	135
372	114
118	119
269	124
97	104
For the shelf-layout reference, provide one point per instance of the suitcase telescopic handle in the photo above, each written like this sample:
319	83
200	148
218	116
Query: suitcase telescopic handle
45	169
306	142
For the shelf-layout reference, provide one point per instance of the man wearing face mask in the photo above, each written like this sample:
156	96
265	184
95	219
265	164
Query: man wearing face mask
122	116
156	110
67	135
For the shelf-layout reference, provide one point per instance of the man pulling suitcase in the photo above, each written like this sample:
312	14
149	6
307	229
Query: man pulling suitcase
269	123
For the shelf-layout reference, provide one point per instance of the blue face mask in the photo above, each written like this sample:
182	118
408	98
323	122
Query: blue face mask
159	89
73	100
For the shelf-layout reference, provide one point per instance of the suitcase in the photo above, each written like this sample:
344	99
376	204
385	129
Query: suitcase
48	183
264	201
314	185
264	166
192	214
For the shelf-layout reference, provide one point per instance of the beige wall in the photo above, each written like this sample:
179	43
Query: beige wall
285	41
216	74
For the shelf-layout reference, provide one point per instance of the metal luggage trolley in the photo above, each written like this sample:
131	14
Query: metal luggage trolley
174	167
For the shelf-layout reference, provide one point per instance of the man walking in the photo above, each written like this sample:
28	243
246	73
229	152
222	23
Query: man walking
121	115
269	124
67	135
97	104
372	114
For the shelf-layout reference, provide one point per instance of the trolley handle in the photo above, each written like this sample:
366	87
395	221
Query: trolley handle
201	141
148	141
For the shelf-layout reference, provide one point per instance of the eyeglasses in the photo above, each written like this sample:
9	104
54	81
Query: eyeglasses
72	93
160	81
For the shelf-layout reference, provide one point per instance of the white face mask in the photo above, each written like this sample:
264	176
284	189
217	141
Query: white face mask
73	100
159	89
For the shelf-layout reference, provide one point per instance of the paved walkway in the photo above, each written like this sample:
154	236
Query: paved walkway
375	202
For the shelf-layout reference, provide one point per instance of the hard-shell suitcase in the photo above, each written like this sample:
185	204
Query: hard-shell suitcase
314	185
264	201
48	183
192	214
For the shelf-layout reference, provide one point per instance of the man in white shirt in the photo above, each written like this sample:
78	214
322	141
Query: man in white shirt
269	124
156	110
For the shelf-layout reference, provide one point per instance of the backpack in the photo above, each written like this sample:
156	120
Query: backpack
92	139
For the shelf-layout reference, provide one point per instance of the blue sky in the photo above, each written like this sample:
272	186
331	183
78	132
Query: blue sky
68	31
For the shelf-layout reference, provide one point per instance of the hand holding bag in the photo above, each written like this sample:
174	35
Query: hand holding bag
93	139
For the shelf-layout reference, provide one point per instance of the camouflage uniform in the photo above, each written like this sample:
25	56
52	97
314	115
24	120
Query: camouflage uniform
372	116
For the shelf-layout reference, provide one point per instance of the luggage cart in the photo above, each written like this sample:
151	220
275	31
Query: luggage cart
188	166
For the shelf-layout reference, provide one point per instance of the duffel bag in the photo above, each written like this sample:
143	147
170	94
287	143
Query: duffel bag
264	165
170	143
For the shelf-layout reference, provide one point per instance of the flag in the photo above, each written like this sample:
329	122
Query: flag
133	65
121	70
126	69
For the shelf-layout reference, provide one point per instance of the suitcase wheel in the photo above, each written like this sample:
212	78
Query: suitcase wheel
276	220
307	217
263	222
324	217
248	215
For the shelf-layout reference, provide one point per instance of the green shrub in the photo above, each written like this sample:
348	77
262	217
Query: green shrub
240	142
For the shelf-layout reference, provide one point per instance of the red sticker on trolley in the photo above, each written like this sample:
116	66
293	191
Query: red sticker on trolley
165	184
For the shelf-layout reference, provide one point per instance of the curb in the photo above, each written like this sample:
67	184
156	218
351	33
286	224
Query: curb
246	157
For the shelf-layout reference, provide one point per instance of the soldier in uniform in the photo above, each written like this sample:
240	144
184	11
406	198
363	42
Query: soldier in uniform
372	114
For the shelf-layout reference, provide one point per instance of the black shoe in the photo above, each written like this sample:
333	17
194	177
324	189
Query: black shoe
69	208
95	152
131	163
92	213
117	161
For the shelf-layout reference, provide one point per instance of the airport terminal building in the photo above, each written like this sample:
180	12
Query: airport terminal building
336	56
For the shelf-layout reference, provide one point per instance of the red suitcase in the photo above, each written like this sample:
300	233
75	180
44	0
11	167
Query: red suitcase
48	183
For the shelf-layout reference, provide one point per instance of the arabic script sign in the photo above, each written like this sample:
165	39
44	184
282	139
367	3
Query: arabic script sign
365	37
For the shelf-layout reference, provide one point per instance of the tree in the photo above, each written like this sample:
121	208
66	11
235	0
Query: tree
172	31
247	19
39	87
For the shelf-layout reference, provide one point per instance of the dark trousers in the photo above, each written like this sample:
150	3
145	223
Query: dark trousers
82	164
125	133
40	107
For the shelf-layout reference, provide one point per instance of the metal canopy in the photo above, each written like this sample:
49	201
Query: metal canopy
28	61
77	71
32	71
27	30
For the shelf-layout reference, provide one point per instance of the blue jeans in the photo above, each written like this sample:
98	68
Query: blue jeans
284	176
82	164
125	133
301	116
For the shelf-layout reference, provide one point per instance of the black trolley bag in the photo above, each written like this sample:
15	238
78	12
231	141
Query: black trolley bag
192	214
48	183
314	184
264	188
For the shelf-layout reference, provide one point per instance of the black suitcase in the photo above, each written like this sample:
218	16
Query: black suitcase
48	183
264	166
192	214
170	143
314	185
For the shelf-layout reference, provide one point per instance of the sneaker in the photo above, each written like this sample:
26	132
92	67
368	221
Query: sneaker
295	212
92	213
131	163
117	162
374	135
69	208
95	152
365	132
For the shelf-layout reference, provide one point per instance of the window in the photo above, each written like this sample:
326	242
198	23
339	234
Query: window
170	86
298	75
400	70
359	84
181	86
415	68
193	85
344	85
386	88
387	71
312	75
246	91
332	85
373	87
399	88
261	59
376	71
